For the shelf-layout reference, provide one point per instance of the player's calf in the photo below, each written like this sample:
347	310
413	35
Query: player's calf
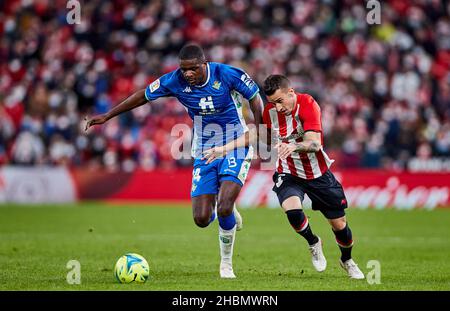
299	222
344	240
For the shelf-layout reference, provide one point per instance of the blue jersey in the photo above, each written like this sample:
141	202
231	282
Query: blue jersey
215	107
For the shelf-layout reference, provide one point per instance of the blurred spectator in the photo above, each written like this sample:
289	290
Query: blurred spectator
384	89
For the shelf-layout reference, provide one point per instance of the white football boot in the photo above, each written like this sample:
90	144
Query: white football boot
226	270
352	269
317	257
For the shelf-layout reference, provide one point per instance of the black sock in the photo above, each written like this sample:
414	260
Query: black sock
344	240
299	222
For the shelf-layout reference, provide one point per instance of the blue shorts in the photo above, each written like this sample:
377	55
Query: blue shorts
206	178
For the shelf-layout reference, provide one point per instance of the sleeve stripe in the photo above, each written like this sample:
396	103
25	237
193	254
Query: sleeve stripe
256	93
145	94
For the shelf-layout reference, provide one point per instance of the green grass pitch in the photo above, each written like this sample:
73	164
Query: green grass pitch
36	242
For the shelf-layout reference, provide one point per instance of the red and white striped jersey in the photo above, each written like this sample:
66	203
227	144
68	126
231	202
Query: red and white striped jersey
305	116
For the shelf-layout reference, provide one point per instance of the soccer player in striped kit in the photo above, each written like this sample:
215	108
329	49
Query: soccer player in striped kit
304	167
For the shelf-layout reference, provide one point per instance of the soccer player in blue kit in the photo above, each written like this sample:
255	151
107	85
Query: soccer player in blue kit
212	94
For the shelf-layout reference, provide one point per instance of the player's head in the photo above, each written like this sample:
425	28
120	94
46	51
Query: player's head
193	64
280	93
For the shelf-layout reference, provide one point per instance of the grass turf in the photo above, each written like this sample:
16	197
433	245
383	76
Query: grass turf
36	242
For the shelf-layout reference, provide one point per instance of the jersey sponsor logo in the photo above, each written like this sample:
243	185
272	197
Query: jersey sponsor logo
154	86
207	105
225	239
216	85
230	171
187	90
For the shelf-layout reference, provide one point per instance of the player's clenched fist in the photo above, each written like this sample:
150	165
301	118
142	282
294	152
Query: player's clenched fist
100	119
284	150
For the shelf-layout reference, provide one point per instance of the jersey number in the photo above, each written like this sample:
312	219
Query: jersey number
232	162
196	176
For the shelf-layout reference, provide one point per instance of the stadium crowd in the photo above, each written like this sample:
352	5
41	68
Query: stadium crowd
384	89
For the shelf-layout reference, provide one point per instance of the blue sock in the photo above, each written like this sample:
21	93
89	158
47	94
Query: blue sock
213	217
227	223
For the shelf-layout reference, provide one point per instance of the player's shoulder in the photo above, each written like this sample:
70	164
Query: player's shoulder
219	66
306	99
307	102
267	112
172	77
269	106
225	69
308	107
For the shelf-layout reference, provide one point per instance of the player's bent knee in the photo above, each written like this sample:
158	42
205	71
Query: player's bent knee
225	207
201	221
338	223
291	203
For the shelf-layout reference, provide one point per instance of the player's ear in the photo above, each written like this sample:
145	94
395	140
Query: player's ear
291	92
203	64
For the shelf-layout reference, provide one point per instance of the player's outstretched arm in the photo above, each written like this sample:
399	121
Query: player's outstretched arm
249	138
135	100
311	143
257	108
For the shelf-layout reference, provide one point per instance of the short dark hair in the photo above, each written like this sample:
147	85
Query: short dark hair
192	51
275	82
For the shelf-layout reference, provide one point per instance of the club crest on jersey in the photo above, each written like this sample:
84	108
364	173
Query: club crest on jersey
154	86
216	85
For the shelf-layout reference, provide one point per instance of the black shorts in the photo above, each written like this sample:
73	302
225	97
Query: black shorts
325	192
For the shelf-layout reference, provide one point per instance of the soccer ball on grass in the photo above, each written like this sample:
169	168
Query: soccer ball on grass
131	268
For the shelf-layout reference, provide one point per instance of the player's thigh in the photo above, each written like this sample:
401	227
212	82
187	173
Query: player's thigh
291	203
205	179
327	195
290	194
233	170
205	186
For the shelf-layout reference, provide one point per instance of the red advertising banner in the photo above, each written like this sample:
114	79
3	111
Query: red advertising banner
363	188
140	185
375	189
366	189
